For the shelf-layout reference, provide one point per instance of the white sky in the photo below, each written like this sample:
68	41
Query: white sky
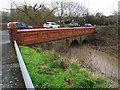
107	7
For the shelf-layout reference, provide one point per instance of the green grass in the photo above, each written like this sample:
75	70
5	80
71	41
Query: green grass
47	70
66	25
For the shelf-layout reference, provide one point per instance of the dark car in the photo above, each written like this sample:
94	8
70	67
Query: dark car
74	24
88	25
20	25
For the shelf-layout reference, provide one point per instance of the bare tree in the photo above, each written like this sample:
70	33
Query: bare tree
35	14
68	9
61	9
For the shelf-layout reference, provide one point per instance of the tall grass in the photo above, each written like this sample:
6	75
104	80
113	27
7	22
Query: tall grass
48	70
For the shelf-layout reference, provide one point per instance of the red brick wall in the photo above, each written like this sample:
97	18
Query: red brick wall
31	36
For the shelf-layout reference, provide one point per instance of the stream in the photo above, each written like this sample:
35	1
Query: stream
95	60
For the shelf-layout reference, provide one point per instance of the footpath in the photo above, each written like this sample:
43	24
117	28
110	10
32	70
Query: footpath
11	73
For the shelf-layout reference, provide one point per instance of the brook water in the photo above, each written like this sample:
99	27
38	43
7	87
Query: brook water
97	61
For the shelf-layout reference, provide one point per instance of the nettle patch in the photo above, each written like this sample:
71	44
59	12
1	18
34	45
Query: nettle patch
48	70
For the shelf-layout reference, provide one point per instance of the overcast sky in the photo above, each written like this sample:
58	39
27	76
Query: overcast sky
107	7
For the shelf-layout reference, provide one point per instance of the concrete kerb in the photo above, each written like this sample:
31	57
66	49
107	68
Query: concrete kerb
27	80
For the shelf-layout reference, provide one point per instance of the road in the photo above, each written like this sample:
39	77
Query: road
11	73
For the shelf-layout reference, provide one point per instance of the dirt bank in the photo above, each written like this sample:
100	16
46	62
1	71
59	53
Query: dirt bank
106	39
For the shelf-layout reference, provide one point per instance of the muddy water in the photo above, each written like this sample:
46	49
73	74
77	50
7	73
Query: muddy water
96	60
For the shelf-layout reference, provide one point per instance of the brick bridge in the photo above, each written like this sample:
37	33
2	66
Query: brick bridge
51	37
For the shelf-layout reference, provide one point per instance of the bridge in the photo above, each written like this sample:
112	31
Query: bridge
54	37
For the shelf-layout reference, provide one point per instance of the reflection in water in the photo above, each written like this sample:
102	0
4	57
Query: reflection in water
96	60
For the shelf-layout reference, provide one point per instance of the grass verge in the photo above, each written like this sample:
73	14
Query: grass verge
47	70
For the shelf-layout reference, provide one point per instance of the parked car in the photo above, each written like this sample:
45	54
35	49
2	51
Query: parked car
88	25
20	25
74	24
51	25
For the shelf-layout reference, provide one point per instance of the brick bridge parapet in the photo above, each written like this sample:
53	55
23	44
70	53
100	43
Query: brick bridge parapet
65	36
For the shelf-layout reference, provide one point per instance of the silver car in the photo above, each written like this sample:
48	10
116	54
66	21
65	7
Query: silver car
51	25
